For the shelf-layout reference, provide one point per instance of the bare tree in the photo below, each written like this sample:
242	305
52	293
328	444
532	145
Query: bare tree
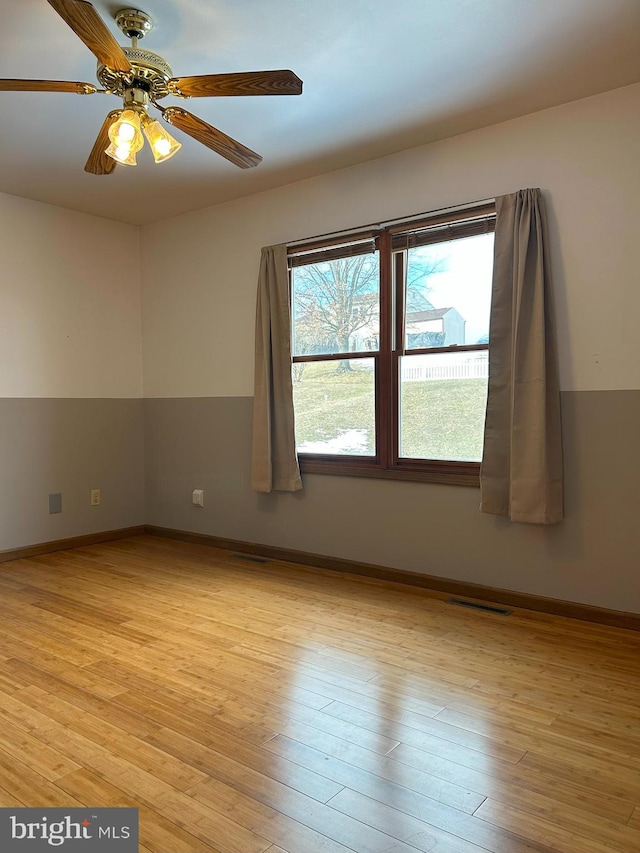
298	368
333	300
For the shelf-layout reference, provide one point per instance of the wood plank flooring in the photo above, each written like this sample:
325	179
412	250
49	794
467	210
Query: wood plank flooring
247	707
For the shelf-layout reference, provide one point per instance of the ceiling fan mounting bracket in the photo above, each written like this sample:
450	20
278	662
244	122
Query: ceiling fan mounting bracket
134	23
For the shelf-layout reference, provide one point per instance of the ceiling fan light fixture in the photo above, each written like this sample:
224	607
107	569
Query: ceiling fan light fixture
163	145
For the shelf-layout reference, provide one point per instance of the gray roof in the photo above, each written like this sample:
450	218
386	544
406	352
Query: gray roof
431	314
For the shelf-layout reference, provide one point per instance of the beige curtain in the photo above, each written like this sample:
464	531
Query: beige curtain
521	474
274	460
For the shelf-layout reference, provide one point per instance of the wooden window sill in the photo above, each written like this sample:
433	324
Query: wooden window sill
451	473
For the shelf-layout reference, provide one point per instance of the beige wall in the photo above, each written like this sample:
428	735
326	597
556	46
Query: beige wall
200	270
69	303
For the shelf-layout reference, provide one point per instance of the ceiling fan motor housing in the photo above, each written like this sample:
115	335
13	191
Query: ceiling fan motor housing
151	72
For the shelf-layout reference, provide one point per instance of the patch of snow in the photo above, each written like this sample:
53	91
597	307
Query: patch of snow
349	441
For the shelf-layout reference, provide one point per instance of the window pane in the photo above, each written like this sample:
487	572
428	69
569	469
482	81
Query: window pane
336	306
443	398
334	406
448	293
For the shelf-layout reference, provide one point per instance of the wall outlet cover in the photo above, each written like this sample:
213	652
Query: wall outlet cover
197	497
95	497
55	502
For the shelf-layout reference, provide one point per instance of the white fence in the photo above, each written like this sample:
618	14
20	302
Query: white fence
428	370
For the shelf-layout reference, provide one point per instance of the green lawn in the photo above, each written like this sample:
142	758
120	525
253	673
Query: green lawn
441	419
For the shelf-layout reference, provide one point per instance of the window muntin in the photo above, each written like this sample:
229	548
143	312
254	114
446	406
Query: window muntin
409	400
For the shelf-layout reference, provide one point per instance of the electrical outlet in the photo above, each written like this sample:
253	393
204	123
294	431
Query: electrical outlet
95	497
197	497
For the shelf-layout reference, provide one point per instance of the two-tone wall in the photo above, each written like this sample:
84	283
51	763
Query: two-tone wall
70	373
199	280
72	416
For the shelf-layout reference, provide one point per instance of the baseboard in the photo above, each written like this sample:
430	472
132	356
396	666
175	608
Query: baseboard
526	601
72	542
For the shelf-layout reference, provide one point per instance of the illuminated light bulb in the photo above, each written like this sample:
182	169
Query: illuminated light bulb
122	153
163	145
125	131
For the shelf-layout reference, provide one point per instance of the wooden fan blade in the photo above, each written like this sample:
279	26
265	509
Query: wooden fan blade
100	163
212	137
7	85
249	83
89	26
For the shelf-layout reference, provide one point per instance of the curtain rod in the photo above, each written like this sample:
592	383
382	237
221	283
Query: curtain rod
385	223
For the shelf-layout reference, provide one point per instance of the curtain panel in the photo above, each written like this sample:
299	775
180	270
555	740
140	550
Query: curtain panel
521	472
274	463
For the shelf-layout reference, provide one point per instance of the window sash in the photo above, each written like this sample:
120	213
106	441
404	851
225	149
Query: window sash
391	243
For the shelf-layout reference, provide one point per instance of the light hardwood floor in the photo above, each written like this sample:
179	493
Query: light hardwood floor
248	707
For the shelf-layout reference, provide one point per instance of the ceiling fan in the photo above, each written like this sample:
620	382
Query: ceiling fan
141	78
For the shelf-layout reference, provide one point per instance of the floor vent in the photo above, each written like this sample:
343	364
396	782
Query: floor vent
501	611
250	558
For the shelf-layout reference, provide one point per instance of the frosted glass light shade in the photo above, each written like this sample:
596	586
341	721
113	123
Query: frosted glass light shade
126	132
163	145
122	154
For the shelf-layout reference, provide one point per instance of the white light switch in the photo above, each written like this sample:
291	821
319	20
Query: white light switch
197	497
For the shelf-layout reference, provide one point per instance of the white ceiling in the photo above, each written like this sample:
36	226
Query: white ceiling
379	76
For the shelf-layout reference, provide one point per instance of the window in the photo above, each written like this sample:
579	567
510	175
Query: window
390	333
